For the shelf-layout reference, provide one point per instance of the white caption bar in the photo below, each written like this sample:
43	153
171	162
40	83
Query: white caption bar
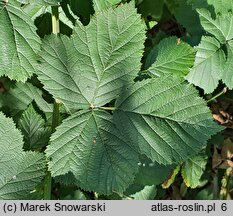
117	208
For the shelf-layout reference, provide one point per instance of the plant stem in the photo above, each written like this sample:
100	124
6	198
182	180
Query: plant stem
55	118
215	186
55	20
217	95
108	108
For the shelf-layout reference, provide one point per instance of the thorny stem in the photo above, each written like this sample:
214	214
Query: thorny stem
217	95
55	118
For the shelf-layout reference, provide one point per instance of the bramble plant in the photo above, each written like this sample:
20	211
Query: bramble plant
92	103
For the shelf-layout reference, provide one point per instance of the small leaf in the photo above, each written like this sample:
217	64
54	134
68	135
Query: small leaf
89	145
21	95
32	125
151	8
185	14
221	27
11	138
165	119
20	171
171	178
90	69
227	74
208	65
221	6
21	175
193	169
172	57
147	193
19	44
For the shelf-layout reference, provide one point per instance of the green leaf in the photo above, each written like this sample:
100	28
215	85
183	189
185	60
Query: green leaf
227	75
20	171
193	169
34	10
208	65
89	145
100	5
172	57
90	69
32	126
148	172
40	2
151	8
165	119
221	27
76	195
21	174
221	6
82	8
21	95
188	18
171	178
11	138
147	193
67	179
19	44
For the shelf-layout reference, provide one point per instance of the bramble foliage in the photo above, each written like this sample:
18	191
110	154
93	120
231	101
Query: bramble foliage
130	116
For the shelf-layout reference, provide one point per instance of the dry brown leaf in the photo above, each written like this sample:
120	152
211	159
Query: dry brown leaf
219	118
217	158
227	149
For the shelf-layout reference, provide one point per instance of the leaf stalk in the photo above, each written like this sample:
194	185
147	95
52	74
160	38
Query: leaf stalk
55	118
218	95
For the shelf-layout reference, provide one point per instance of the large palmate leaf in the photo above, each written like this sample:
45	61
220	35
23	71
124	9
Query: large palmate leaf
221	27
19	43
92	66
89	145
208	65
172	57
100	5
227	75
193	169
20	171
165	119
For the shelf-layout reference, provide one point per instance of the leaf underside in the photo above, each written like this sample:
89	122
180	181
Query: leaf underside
20	171
21	95
173	57
221	27
92	67
19	44
89	145
32	125
193	169
227	75
208	65
165	119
